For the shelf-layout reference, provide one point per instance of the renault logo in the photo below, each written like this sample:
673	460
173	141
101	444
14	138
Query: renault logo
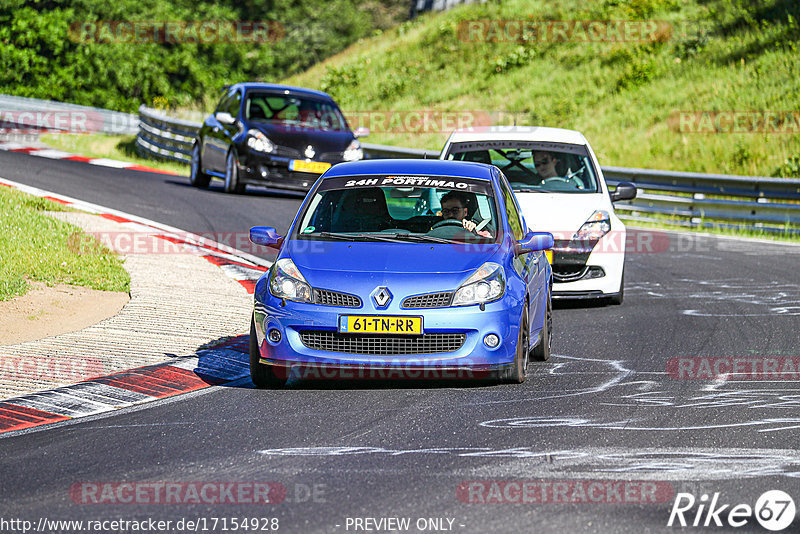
310	153
382	297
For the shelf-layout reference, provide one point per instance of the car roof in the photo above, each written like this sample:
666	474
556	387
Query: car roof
518	133
288	89
415	167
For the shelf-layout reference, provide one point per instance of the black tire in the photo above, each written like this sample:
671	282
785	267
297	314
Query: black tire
517	373
617	299
232	184
263	376
541	352
196	175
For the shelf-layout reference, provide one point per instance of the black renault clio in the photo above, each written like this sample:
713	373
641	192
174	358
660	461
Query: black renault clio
272	135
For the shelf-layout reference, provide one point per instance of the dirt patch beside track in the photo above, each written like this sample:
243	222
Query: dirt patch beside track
47	311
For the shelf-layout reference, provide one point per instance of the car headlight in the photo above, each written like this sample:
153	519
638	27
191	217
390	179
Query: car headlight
287	283
486	284
353	151
259	142
595	227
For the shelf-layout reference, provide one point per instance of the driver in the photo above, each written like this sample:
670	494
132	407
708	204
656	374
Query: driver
454	206
545	163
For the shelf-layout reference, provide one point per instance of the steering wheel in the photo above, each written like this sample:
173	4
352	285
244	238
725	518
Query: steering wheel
556	178
573	180
448	222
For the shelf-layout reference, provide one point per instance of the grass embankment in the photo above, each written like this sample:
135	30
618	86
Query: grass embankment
119	147
737	55
35	247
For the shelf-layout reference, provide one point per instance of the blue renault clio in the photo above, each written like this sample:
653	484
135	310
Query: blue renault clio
403	269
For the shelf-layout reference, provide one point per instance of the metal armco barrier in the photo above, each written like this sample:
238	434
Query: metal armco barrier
753	202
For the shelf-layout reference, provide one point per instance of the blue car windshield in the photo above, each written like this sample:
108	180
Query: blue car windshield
401	209
536	166
290	110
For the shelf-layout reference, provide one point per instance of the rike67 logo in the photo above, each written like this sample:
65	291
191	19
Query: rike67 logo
774	510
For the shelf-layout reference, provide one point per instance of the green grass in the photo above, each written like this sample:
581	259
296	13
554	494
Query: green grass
35	247
739	55
119	147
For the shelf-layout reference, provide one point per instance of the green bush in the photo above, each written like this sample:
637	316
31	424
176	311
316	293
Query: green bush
42	54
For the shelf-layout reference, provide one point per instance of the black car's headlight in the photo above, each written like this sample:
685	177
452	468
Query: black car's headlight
353	152
259	142
486	284
286	282
595	227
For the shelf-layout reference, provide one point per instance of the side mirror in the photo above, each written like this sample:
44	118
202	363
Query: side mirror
534	241
267	236
224	117
361	131
624	191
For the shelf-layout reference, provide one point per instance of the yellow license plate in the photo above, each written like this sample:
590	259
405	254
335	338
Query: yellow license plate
315	167
379	324
549	254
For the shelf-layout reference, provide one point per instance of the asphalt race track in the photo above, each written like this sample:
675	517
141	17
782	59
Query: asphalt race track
610	408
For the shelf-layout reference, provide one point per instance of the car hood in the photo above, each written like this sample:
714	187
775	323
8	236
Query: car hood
299	138
411	267
561	214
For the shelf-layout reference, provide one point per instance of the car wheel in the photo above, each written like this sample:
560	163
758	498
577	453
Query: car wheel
232	184
263	376
196	175
517	373
618	298
541	352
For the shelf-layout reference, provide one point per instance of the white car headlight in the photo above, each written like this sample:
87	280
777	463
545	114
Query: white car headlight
286	282
259	142
595	227
353	151
486	284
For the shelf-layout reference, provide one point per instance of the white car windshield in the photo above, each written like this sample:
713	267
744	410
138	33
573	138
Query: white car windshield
401	209
546	167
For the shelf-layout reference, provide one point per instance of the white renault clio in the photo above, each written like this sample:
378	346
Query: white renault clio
561	190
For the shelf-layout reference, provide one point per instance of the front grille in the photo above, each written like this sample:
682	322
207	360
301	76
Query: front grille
381	345
331	156
429	300
326	297
287	152
568	273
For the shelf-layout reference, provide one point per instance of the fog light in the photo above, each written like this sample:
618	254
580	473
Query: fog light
274	335
491	340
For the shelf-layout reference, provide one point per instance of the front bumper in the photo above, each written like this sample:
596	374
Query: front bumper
273	171
471	357
587	270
